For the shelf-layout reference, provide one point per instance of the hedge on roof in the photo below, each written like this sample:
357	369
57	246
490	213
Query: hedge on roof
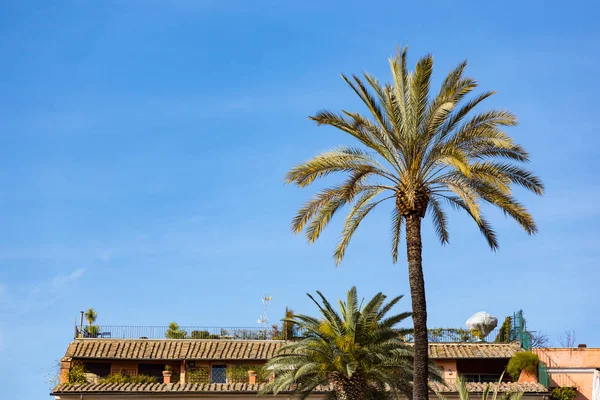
522	361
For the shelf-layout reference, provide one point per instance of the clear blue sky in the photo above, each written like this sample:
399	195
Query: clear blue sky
144	143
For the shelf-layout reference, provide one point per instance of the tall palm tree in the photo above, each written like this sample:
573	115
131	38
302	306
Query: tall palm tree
357	352
419	151
90	316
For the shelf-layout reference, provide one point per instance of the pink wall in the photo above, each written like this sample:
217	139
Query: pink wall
448	368
571	367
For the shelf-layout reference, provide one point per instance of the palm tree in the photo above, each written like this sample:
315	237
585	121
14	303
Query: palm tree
463	391
419	152
358	352
90	316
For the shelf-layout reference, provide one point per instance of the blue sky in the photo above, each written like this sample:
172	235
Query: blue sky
143	145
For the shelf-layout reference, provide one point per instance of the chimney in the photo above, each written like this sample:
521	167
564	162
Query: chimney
252	377
582	346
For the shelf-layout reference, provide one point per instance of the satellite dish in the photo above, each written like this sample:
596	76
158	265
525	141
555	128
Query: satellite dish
481	324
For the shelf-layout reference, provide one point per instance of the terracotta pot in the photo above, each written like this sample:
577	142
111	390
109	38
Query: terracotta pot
527	377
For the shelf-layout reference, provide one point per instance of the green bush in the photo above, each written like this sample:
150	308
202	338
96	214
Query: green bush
77	374
200	334
124	378
504	333
197	375
91	331
564	393
522	361
174	332
239	373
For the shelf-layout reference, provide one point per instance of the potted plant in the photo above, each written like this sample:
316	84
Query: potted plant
522	367
168	370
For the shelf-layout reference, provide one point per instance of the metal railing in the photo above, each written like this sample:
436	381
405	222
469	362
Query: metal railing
183	332
436	335
452	335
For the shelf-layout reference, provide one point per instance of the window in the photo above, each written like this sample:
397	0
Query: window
218	374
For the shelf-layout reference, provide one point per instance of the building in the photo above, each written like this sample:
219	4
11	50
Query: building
571	367
225	367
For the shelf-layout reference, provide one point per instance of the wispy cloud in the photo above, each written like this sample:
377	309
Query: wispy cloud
37	296
59	283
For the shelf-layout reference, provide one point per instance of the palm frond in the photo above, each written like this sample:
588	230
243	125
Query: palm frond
440	221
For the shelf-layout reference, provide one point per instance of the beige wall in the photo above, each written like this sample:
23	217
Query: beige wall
571	367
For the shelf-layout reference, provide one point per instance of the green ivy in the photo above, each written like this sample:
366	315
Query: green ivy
124	378
77	374
564	393
504	333
522	361
197	375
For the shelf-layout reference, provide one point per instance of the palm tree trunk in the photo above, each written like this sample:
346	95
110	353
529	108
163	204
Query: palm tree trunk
419	306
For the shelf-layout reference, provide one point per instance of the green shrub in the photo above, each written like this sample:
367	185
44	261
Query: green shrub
200	334
564	393
239	373
77	373
124	378
522	361
174	332
91	331
504	333
197	375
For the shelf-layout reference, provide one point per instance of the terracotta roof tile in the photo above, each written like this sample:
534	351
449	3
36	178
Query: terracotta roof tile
478	387
473	350
206	349
136	388
192	349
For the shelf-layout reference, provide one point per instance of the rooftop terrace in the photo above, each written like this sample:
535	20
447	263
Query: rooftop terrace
437	335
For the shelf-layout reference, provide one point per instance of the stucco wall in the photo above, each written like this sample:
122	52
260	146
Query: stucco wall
571	367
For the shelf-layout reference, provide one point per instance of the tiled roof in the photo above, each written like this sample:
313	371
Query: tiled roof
137	388
193	349
198	349
473	350
477	387
191	388
157	387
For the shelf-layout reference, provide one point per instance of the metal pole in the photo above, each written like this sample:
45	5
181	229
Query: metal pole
81	322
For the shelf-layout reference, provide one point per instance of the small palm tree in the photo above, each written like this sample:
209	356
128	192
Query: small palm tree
173	332
420	152
357	352
90	316
463	391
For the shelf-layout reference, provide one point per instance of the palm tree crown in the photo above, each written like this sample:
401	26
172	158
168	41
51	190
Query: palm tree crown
90	316
421	151
358	352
